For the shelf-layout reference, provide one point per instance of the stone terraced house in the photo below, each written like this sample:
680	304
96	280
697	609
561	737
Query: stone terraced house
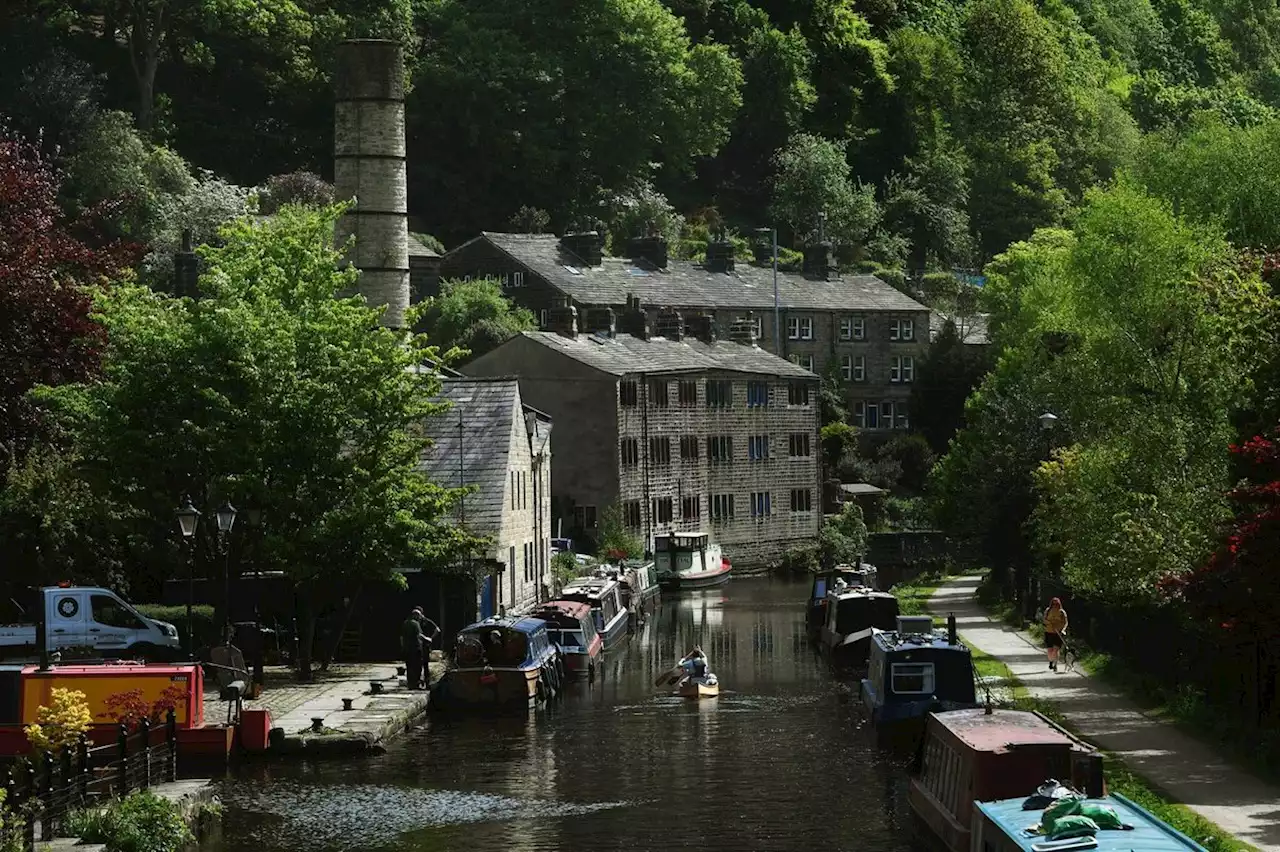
873	335
680	430
492	442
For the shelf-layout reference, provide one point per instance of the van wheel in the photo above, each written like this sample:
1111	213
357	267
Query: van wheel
144	651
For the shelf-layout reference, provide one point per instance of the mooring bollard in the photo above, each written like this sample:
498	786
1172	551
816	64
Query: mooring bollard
317	723
400	670
346	703
375	687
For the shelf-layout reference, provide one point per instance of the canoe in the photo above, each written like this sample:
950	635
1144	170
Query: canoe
699	687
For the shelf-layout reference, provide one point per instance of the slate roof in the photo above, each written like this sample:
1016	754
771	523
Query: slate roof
972	329
684	284
417	248
486	408
622	354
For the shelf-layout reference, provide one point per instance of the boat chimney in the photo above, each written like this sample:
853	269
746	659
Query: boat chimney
1095	784
952	638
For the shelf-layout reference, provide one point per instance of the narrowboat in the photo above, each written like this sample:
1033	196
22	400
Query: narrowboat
571	628
824	581
1007	826
501	662
688	561
853	614
604	596
990	754
638	581
913	671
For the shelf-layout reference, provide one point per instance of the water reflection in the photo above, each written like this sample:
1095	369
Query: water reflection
779	761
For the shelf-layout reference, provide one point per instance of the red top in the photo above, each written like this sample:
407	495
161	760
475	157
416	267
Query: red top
1002	729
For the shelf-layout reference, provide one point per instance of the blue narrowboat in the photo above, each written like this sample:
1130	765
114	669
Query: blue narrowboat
824	582
1003	826
604	596
915	670
502	662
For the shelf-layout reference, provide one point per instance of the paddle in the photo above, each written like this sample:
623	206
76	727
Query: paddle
668	676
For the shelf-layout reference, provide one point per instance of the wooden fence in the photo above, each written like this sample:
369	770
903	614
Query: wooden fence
46	788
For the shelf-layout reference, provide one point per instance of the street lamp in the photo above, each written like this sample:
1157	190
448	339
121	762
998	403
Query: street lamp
777	310
188	519
226	520
253	515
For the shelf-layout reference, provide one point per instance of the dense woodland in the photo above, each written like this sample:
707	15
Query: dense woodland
1111	165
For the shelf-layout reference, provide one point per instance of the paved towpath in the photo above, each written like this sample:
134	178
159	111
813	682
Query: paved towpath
1186	769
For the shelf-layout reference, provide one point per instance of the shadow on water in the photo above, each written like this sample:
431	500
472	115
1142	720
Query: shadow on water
779	761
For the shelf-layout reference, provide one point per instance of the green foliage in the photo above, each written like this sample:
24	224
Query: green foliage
301	187
430	242
814	179
801	560
207	633
843	537
12	825
140	822
635	210
838	439
616	540
914	458
945	377
473	316
530	220
564	567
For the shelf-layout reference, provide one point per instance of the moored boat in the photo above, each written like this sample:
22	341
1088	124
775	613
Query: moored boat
825	581
688	561
913	671
854	613
571	628
1007	825
990	754
604	596
638	581
501	662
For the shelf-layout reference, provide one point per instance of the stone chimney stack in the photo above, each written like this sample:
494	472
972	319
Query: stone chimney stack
743	330
702	326
186	269
720	255
601	321
369	155
669	324
652	248
563	320
635	321
820	262
586	246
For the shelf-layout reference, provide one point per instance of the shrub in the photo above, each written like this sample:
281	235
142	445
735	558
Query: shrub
800	560
206	629
304	188
142	822
60	724
11	827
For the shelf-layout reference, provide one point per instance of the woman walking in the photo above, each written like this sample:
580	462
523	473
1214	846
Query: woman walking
1055	625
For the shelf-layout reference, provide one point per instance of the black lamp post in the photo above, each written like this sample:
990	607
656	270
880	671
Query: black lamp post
226	520
253	515
188	519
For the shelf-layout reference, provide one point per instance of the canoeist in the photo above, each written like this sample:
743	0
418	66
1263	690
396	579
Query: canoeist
694	663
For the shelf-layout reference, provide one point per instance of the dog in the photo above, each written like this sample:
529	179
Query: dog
1067	656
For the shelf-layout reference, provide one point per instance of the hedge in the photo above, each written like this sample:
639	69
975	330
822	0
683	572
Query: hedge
206	629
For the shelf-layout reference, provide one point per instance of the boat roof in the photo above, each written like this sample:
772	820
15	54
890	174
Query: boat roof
527	624
592	587
1001	731
858	592
892	640
1149	833
572	609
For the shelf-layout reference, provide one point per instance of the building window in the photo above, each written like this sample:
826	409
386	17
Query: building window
514	492
542	318
627	394
722	507
873	416
757	394
801	500
759	327
691	508
902	329
853	328
630	452
798	394
511	563
758	447
900	410
799	328
631	514
720	449
867	415
805	361
660	450
662	510
886	412
761	504
799	445
658	394
689	447
860	414
902	369
526	562
585	517
688	393
719	394
517	279
853	368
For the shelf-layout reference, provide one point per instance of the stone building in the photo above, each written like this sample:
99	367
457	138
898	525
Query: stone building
490	441
872	335
681	431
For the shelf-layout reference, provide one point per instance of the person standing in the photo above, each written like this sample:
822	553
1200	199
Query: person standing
411	640
1055	626
430	633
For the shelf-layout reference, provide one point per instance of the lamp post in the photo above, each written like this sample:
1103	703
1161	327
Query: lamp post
226	520
253	515
188	518
777	309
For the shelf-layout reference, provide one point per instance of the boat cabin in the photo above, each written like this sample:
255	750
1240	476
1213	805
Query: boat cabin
604	596
501	661
990	754
915	670
825	581
688	560
853	614
998	827
571	627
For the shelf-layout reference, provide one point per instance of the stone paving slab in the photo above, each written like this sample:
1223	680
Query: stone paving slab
1186	769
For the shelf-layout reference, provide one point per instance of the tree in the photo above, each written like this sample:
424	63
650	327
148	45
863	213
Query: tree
843	539
474	316
814	181
300	187
945	378
616	540
637	210
273	391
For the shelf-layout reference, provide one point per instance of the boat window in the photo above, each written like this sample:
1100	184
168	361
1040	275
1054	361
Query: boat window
912	678
820	588
570	638
588	631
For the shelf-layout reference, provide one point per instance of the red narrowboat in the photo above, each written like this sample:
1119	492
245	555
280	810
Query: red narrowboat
987	755
569	625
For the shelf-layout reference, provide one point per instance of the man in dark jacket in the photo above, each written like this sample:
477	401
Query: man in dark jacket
430	633
411	640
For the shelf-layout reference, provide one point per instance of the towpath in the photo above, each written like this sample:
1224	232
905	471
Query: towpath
1184	768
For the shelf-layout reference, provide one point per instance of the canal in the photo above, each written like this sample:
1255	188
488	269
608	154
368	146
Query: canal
780	761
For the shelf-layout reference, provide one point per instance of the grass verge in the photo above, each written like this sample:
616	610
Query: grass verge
913	597
1120	779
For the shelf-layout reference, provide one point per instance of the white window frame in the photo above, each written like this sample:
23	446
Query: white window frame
908	369
925	670
759	323
888	409
761	504
908	329
859	328
793	328
846	328
895	370
860	414
846	367
806	328
859	368
805	361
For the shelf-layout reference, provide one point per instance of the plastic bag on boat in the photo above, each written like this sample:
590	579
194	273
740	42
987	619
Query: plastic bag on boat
1073	826
1104	815
1048	793
1064	807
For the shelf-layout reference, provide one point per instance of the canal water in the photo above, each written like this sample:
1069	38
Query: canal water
780	761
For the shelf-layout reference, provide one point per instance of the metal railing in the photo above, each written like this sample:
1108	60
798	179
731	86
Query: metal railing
44	789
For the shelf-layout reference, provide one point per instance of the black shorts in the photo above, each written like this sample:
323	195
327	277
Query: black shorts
1052	640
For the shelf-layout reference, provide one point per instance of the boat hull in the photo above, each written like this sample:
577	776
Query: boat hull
934	814
615	633
846	651
698	689
693	582
475	688
580	665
